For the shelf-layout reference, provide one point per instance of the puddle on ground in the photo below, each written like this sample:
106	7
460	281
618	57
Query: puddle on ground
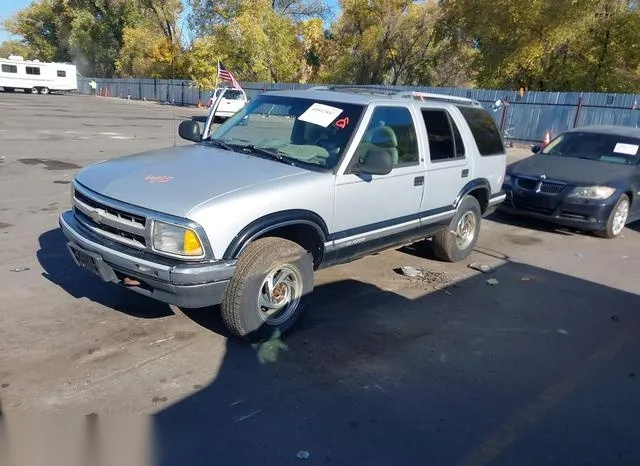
523	240
50	164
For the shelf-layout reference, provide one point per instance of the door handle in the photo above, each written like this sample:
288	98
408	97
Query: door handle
465	173
418	181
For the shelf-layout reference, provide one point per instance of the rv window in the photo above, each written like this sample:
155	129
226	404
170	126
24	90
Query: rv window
62	73
9	69
33	70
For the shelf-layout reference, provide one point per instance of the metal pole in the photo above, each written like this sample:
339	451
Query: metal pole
578	112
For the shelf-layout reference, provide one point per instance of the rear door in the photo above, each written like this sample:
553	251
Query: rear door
376	210
449	163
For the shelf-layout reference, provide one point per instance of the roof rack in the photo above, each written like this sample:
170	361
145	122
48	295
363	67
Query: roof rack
422	96
416	95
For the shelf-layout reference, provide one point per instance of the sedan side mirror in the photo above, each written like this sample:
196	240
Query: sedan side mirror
190	130
376	162
535	149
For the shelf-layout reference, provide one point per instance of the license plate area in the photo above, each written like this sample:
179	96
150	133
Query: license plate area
92	262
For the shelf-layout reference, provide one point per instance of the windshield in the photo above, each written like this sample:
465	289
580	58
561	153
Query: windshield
231	94
596	146
299	130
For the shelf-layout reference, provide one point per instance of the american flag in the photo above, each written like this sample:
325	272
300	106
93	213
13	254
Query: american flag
226	75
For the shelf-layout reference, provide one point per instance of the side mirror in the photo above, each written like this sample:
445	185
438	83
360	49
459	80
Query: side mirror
376	162
535	149
190	130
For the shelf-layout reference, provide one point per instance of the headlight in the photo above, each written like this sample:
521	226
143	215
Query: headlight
593	192
174	239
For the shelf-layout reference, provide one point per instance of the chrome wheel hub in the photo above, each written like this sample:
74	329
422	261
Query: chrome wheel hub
279	295
620	217
466	230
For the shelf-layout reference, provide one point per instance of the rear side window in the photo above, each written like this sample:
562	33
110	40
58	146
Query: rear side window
33	70
62	74
484	130
9	69
445	142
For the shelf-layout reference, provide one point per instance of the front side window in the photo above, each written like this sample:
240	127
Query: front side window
484	130
33	70
445	142
62	74
295	130
391	129
9	69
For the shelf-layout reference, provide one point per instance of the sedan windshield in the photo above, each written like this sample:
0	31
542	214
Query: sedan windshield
596	146
295	130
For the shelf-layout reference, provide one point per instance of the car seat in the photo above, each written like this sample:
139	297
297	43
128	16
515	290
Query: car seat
379	137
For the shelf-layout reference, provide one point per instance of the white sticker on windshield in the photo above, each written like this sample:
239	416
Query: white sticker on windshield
628	149
320	114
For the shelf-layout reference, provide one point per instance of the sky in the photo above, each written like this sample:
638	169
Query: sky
9	7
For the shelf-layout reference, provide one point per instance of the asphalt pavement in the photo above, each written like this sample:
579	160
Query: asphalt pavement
540	368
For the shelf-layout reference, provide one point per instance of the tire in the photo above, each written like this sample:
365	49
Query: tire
264	258
617	219
33	90
44	90
446	246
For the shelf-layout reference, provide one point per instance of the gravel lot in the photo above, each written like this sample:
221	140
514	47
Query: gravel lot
539	369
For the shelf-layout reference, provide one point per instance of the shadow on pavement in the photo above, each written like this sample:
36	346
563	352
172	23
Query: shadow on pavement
532	224
61	270
541	368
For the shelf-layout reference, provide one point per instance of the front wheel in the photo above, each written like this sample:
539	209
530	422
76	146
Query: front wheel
269	290
617	219
456	242
34	90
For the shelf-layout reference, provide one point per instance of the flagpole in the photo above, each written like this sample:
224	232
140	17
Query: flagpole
217	74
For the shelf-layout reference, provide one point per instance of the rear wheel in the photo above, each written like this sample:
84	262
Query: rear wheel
269	290
44	90
34	90
617	219
456	242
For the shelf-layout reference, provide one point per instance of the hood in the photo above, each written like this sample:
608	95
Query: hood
571	170
177	179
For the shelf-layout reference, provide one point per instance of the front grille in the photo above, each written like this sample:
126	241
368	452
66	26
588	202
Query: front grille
545	187
108	221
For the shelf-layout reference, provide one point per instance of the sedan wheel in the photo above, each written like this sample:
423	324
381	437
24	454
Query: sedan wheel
617	219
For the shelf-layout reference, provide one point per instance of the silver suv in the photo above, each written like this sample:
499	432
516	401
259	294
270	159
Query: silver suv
294	182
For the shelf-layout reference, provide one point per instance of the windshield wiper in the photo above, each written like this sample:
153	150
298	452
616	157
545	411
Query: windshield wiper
269	153
222	144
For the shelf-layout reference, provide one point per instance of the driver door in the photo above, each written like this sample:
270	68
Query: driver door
374	211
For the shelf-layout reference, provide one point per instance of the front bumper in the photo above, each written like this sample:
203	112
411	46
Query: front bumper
582	214
170	281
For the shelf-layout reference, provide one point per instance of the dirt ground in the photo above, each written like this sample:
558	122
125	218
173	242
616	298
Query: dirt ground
541	368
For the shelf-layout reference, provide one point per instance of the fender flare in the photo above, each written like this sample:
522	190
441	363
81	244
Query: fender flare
272	222
473	185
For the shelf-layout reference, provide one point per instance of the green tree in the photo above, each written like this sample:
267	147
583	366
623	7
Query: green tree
549	45
44	27
16	47
392	42
257	44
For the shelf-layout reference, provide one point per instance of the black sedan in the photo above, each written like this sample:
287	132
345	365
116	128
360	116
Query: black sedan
586	178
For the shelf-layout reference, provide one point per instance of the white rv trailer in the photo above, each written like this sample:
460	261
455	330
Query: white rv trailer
35	76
